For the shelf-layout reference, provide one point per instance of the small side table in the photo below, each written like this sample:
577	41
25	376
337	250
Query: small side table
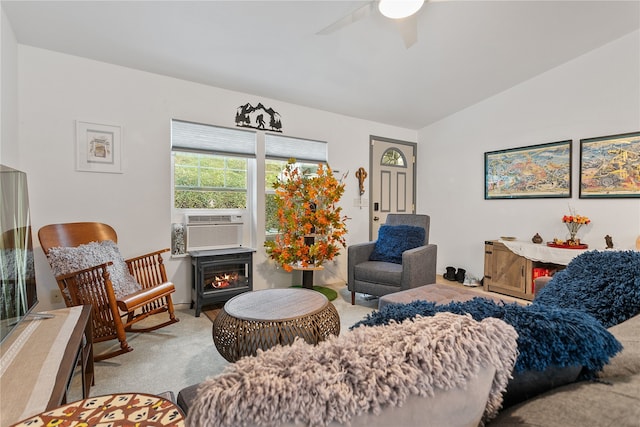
263	319
126	409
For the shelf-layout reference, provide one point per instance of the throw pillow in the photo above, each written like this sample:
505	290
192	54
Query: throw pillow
358	372
64	260
547	336
554	344
604	284
393	240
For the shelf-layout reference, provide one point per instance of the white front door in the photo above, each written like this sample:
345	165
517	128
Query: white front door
392	180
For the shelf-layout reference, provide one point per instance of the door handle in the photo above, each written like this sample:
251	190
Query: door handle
375	218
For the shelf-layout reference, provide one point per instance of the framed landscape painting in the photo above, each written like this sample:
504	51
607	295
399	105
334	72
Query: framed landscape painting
535	171
610	166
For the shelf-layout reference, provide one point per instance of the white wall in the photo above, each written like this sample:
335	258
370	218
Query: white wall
9	147
594	95
57	89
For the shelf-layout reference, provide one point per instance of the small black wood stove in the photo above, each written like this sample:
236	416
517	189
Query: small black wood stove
220	274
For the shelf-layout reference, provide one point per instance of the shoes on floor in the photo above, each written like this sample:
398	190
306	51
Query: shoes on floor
455	276
450	274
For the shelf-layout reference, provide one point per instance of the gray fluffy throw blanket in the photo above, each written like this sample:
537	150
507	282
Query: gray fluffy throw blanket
363	370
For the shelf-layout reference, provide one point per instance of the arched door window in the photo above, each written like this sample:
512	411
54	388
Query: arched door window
393	157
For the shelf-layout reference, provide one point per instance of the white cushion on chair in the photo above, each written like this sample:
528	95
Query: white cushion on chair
65	260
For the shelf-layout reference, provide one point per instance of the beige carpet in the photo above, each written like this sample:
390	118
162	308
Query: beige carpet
183	354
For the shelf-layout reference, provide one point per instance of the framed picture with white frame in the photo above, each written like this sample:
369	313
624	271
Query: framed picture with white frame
98	147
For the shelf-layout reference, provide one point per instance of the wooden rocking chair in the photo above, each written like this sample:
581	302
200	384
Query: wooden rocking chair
93	285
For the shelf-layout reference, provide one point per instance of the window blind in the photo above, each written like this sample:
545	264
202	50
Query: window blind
212	139
284	147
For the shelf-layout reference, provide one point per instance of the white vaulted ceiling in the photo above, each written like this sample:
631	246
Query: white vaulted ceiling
466	51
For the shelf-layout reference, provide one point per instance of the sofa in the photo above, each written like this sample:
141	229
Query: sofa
440	370
611	399
603	285
606	285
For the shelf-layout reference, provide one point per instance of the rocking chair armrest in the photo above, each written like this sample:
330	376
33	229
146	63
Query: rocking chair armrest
149	255
148	269
144	296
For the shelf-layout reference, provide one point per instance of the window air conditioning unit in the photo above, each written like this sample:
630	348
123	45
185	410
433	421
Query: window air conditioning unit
213	232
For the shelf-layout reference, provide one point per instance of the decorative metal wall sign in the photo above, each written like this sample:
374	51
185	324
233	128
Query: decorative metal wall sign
258	117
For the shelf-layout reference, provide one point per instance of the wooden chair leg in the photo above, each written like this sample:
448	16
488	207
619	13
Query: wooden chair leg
172	315
133	319
353	297
124	348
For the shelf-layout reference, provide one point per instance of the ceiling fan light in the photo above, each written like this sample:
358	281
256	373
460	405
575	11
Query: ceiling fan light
397	9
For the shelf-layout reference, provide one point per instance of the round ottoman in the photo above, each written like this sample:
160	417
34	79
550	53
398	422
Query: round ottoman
263	319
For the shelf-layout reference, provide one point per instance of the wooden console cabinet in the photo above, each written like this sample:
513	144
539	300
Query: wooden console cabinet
508	273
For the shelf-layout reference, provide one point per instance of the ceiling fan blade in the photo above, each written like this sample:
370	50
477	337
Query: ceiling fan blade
408	28
356	15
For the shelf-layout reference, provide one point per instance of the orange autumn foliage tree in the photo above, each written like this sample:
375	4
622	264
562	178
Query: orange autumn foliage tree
307	206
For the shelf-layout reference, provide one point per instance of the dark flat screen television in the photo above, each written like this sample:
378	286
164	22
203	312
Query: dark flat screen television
17	271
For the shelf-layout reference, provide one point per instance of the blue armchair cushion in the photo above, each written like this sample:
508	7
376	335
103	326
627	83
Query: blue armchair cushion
393	240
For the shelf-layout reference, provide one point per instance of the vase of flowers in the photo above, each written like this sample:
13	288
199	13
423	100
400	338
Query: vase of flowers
311	228
574	222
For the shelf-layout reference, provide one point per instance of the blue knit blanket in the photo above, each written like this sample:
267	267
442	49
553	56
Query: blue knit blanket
604	284
547	335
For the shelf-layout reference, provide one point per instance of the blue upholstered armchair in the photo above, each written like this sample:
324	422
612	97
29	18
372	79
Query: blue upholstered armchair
400	259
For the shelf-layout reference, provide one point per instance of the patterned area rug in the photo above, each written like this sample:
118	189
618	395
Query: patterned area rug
112	410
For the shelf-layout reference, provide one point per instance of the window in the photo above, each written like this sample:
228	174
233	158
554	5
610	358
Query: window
278	151
214	168
210	166
393	157
273	168
209	181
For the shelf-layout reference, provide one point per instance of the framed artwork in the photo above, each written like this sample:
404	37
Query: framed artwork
610	166
535	171
98	147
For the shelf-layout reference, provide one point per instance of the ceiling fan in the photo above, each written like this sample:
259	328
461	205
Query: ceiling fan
404	12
